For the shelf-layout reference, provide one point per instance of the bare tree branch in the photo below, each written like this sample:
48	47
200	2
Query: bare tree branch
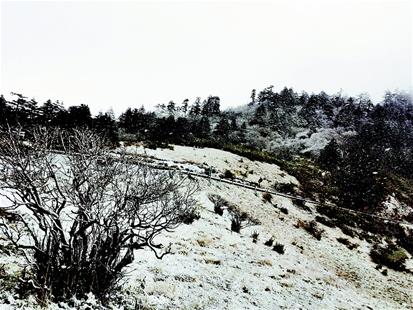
82	211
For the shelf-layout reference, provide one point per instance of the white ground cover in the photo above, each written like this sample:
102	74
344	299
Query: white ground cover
194	158
214	268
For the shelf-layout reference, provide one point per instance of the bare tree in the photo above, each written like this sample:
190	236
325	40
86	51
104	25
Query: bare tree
83	211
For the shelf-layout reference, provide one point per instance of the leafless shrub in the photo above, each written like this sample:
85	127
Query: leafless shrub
279	248
82	213
219	203
325	221
347	243
287	188
347	230
267	197
254	236
284	210
269	242
239	219
236	223
189	216
311	227
301	204
228	174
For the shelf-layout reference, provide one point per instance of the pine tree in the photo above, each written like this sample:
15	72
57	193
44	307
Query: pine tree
211	106
203	128
49	113
196	107
79	116
184	106
260	115
223	128
3	111
106	125
330	156
171	107
360	177
253	97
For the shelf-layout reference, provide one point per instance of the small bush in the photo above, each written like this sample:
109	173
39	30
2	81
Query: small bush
228	174
279	248
254	236
311	227
347	243
269	242
286	188
390	256
344	241
267	197
190	216
325	221
347	231
219	203
284	210
218	209
240	219
301	204
404	237
369	237
236	224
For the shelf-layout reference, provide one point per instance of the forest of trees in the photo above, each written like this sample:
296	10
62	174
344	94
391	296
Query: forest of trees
380	146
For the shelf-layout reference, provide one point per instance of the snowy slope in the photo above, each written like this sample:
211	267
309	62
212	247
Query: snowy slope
242	167
214	268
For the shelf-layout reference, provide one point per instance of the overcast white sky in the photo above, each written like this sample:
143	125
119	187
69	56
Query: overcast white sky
119	54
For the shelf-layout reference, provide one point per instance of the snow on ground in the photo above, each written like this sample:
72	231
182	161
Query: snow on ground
194	158
213	268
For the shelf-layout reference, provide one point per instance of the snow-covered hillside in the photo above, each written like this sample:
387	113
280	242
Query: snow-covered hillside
200	159
214	268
